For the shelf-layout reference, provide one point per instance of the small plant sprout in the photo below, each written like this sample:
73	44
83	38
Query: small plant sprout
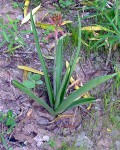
11	36
8	123
54	25
52	143
56	20
33	81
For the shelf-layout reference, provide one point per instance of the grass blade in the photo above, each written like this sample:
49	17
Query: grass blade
78	93
3	140
102	39
33	96
47	79
112	24
3	42
117	13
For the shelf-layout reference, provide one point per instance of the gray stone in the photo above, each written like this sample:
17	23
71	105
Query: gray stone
43	121
46	138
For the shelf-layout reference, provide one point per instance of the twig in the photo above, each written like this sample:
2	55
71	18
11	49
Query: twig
109	54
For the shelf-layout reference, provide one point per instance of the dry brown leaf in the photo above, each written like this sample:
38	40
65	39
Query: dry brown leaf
60	117
29	113
30	69
75	82
27	3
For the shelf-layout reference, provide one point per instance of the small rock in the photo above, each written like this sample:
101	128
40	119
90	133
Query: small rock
19	17
27	36
38	138
43	121
46	138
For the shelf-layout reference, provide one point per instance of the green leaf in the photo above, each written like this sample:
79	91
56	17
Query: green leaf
1	117
102	38
60	94
29	84
39	82
29	75
52	143
47	79
25	31
46	26
5	36
69	71
3	42
66	3
84	89
58	61
36	77
20	40
10	121
10	148
3	141
10	113
112	24
33	96
10	129
81	101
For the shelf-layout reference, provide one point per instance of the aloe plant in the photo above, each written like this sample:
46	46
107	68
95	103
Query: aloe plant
57	95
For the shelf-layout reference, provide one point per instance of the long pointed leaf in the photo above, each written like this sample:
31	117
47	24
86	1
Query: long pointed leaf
60	96
58	66
81	101
33	96
70	70
47	79
78	93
